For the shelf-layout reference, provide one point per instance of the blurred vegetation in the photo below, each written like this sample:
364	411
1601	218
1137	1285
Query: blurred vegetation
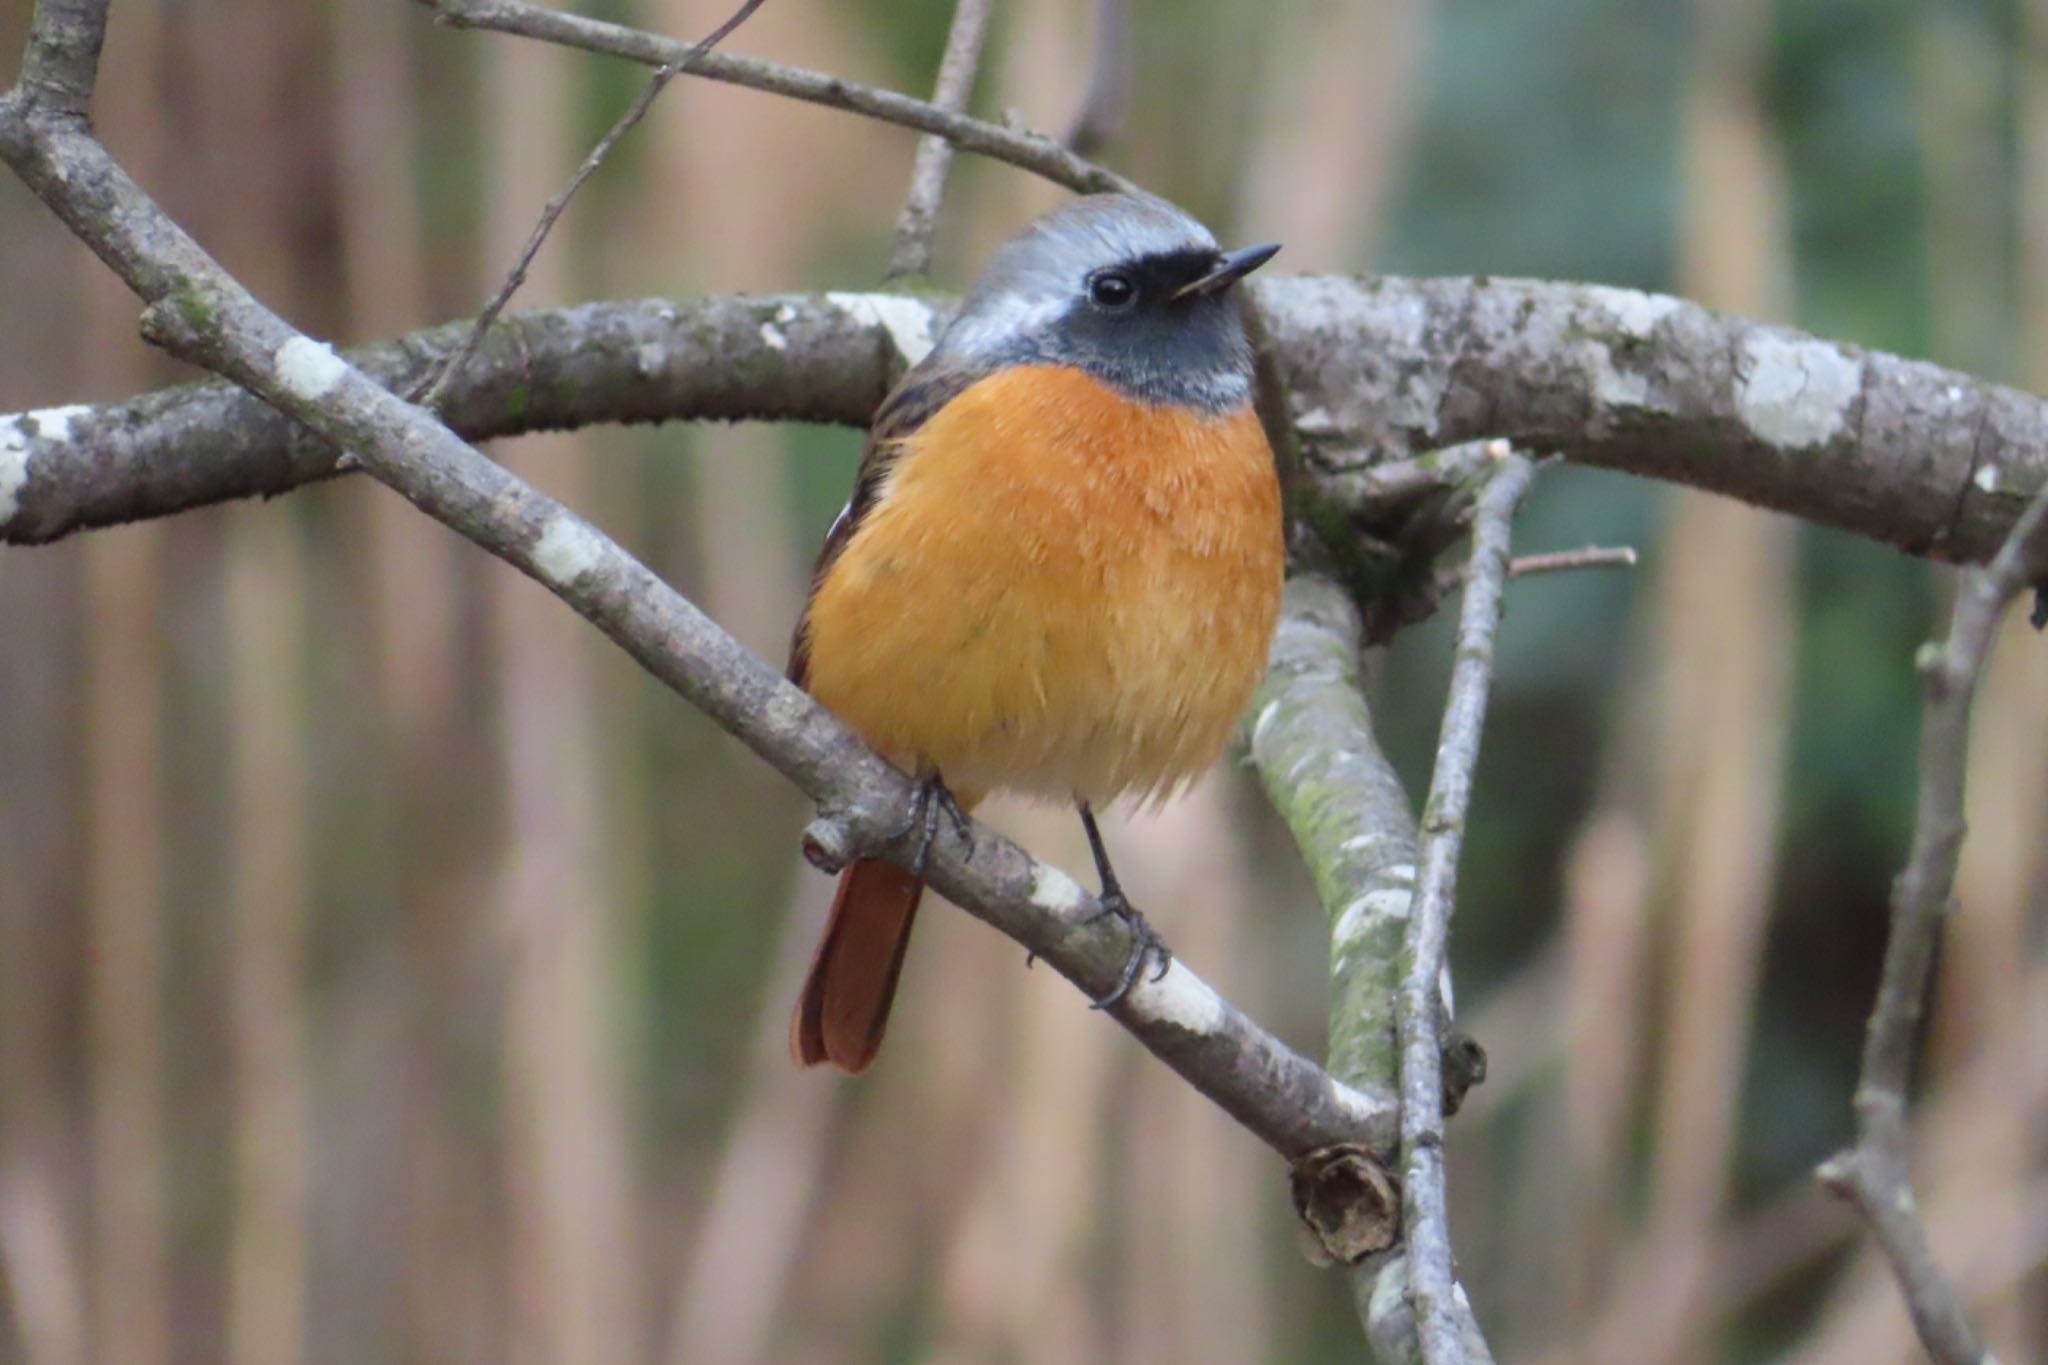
497	1075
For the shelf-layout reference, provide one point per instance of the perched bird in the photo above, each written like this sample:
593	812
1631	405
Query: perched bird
1060	568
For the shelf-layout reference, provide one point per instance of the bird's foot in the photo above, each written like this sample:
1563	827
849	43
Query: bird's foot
1146	943
932	799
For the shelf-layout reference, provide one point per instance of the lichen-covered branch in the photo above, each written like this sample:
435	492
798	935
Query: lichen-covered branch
1876	1173
199	312
1927	459
809	358
1312	743
1923	458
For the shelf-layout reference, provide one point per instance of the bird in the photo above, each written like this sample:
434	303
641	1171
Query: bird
1059	571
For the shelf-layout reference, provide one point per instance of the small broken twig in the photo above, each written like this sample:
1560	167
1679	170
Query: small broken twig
1553	561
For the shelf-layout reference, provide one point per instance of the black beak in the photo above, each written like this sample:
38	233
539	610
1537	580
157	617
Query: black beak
1234	266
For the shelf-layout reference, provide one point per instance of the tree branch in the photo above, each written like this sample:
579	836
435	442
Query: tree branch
1381	374
1026	150
1312	742
1876	1173
201	313
912	253
1422	1015
1103	108
63	59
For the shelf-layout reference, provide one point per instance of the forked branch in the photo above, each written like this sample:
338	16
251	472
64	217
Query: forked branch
1876	1173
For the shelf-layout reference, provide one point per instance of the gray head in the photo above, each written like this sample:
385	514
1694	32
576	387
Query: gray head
1126	287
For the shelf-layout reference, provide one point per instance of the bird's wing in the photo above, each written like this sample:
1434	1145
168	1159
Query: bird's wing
921	392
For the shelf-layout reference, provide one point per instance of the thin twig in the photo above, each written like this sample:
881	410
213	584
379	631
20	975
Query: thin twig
1109	81
627	121
1552	561
1585	557
912	253
1876	1173
1432	1286
1022	148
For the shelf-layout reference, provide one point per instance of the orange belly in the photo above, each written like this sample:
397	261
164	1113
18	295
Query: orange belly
1060	591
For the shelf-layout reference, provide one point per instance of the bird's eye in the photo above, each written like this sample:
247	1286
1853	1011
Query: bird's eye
1111	289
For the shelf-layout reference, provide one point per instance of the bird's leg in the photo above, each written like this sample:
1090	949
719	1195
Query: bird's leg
1114	902
933	798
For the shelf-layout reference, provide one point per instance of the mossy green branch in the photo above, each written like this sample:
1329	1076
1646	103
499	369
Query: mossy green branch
1312	741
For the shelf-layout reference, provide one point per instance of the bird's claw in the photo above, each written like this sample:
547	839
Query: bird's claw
933	798
1146	943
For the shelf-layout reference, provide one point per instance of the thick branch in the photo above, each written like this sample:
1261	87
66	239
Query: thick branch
1917	456
1927	459
821	358
1432	1289
201	313
1029	151
1876	1173
919	223
1312	742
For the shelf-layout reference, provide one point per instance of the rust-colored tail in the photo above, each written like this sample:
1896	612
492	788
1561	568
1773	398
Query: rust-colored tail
845	1003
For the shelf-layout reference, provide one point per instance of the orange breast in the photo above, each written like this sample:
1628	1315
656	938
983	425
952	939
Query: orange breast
1060	591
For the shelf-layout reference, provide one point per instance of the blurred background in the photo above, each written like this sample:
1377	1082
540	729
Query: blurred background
389	971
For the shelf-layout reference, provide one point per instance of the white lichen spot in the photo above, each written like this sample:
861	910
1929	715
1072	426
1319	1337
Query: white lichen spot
1387	1306
13	467
650	358
1266	714
1316	422
49	425
1372	907
1795	391
1348	923
1179	998
908	321
1053	890
1616	388
1637	313
566	551
773	337
785	314
307	368
1986	478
